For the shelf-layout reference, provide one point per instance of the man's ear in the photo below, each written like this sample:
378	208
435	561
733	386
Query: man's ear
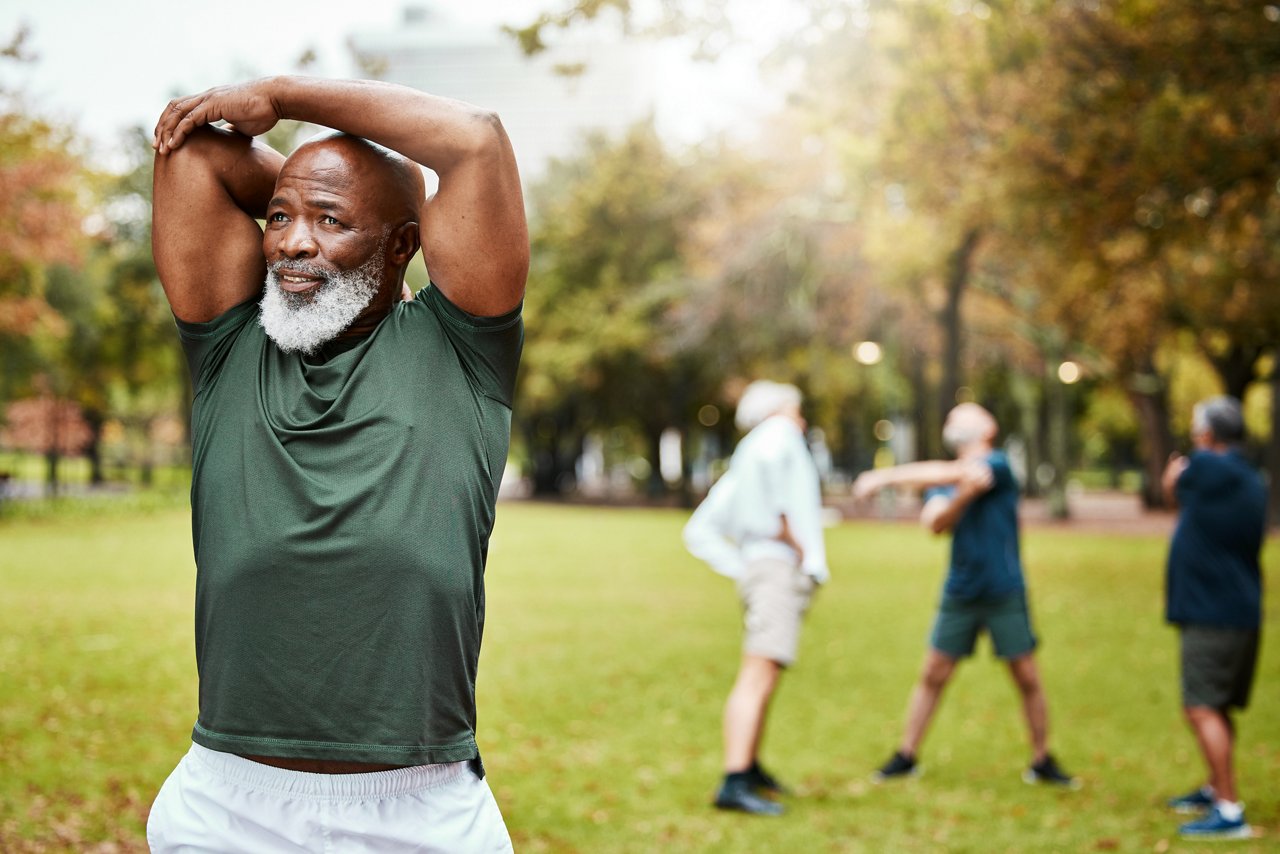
402	244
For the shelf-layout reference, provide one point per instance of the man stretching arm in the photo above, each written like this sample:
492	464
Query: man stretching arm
347	446
985	591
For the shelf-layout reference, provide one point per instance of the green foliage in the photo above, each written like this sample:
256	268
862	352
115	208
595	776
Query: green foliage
608	654
42	185
610	344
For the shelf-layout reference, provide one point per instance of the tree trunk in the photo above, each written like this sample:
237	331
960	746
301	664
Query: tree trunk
656	487
1026	392
51	457
959	266
51	452
553	457
95	420
1236	367
1058	447
1273	445
686	468
927	440
1150	399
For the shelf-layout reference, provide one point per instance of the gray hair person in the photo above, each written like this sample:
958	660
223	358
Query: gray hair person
1220	416
1213	594
361	430
761	525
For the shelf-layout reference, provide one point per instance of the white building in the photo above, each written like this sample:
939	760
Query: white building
591	78
587	81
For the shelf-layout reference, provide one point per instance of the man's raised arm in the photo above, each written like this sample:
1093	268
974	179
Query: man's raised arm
910	475
474	238
206	242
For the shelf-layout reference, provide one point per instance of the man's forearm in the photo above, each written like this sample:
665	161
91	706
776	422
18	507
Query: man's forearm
923	474
433	131
244	169
942	512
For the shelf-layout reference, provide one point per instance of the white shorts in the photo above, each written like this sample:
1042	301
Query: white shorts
220	802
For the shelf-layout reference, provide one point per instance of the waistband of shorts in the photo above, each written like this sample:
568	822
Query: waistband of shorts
376	784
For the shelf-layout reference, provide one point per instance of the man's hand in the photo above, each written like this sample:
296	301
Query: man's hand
249	107
786	536
1172	471
867	484
977	477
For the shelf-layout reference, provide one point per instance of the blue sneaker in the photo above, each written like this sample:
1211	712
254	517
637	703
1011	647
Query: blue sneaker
1193	803
1216	826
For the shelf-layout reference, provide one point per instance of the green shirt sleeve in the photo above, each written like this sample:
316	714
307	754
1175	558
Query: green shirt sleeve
207	344
489	347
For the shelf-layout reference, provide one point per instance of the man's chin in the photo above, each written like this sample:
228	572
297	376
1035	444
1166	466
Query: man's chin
291	335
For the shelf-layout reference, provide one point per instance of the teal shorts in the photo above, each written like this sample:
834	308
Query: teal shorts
1005	618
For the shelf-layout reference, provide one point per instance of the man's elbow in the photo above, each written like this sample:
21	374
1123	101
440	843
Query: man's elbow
486	135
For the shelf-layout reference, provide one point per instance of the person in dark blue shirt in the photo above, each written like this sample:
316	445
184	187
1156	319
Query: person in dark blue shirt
976	497
1214	597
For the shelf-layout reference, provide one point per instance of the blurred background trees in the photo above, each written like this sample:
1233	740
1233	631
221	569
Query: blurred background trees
1069	212
86	339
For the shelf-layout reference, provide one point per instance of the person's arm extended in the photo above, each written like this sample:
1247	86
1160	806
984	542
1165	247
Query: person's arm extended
474	237
912	475
204	237
941	512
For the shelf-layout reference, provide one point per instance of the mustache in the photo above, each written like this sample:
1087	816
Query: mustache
303	268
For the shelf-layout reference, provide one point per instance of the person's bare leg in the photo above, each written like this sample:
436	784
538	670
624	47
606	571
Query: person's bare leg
746	709
934	675
1034	708
1216	738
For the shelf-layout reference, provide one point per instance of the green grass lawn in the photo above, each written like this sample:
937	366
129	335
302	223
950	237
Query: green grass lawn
607	657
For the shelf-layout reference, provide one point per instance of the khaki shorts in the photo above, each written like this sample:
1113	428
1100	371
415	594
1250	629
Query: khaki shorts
775	596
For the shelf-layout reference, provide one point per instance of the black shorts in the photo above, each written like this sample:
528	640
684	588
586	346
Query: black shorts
1218	666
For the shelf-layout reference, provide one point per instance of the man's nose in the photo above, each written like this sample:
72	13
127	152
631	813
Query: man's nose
298	241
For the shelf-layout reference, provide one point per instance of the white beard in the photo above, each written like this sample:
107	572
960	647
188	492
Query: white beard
303	322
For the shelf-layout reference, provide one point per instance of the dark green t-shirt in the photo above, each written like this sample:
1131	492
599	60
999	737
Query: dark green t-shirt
341	512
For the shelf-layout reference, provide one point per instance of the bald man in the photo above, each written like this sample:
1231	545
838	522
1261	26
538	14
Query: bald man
976	497
348	440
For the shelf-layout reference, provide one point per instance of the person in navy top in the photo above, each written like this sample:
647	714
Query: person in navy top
975	496
1213	595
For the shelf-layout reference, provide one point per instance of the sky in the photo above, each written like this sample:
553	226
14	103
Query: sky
107	66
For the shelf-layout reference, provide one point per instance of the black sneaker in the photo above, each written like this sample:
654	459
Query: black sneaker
762	781
899	765
735	794
1048	771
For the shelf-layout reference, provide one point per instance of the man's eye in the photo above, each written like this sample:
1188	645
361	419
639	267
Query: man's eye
328	220
276	217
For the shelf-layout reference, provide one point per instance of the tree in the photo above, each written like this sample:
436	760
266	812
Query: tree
607	235
1147	152
42	184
